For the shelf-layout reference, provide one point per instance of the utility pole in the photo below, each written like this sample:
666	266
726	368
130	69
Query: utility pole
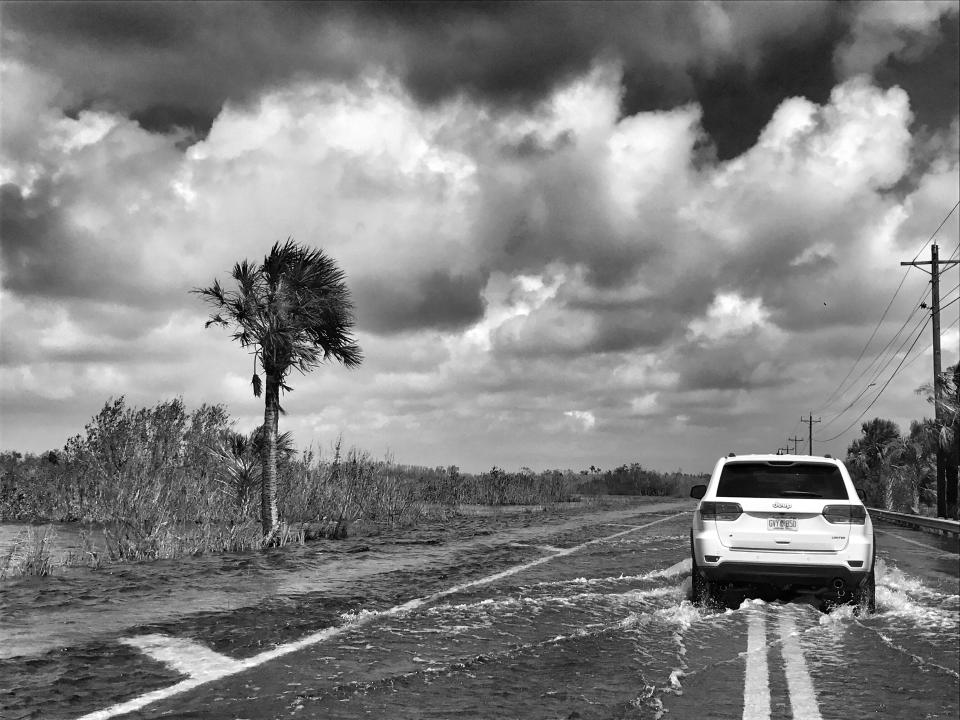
810	421
953	483
934	271
794	440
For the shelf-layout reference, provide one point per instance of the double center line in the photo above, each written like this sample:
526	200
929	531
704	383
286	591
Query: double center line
756	690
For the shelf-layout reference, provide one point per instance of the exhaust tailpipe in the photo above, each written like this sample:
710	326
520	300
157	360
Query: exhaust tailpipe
840	586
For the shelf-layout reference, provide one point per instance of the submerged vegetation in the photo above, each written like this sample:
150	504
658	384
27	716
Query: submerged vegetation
167	482
29	554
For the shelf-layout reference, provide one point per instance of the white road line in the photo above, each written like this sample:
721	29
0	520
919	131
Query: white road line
803	701
756	685
223	670
944	553
547	548
186	656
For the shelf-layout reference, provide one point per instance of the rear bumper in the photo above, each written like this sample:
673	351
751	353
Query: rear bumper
782	574
721	564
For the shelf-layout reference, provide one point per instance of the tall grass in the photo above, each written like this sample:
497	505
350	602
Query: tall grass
347	487
29	554
448	486
165	482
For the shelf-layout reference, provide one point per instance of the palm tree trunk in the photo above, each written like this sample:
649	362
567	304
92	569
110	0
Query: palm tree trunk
268	486
887	490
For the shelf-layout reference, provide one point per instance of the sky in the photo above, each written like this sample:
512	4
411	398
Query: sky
574	233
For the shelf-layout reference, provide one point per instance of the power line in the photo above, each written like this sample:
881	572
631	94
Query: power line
944	307
919	332
934	234
879	359
873	380
826	403
873	402
924	351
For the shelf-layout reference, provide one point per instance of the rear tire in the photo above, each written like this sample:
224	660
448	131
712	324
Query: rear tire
865	596
700	587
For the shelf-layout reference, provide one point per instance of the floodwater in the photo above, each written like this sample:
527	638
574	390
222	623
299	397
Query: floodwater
541	616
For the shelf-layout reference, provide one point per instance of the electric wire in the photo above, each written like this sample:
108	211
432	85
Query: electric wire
934	234
876	376
944	307
826	403
878	358
903	364
928	347
877	397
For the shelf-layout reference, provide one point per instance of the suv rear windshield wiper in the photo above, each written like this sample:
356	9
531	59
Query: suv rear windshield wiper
799	493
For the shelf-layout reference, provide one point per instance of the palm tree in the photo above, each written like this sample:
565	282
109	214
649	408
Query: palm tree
947	412
240	462
295	311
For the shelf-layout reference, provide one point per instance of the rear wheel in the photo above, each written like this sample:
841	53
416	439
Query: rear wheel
865	595
700	587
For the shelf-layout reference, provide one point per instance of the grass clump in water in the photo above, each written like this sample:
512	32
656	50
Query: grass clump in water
29	554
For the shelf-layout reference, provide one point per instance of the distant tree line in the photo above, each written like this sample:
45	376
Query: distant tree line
634	479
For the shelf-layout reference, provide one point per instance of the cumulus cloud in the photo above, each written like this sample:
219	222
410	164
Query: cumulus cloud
141	59
584	418
523	271
883	30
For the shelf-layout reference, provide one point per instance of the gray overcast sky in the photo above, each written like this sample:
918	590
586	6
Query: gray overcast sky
575	233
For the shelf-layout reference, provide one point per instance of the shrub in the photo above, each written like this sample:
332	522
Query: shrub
29	554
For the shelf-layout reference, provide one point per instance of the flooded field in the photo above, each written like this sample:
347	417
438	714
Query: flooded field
547	615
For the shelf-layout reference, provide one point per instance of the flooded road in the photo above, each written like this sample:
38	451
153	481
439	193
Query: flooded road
544	616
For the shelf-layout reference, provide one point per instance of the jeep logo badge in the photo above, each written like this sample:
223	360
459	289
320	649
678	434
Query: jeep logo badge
781	505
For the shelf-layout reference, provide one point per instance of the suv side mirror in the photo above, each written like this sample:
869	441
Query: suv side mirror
861	494
698	491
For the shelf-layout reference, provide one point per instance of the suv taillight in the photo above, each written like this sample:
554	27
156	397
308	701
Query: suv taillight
720	510
852	514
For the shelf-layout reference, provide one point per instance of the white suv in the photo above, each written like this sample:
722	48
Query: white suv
786	522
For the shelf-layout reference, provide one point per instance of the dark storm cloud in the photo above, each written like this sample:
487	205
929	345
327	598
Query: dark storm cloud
645	328
737	106
108	24
925	76
41	255
437	300
174	63
45	255
727	370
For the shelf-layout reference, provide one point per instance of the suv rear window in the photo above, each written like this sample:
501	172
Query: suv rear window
767	480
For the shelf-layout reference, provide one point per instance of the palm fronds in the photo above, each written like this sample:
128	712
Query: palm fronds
294	309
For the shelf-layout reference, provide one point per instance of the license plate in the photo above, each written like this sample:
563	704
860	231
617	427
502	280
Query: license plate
781	523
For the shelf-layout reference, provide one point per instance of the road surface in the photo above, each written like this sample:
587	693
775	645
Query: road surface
580	616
